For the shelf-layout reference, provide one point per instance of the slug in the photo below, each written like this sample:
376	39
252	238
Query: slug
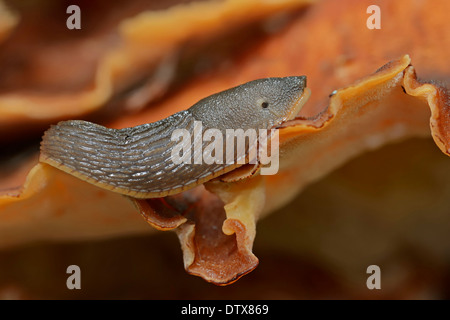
137	161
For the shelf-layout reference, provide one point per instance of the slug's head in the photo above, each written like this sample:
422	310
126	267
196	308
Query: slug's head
262	103
277	99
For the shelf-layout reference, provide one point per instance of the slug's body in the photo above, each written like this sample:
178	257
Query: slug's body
137	161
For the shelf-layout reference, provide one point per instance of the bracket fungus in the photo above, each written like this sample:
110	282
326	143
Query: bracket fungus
216	224
216	221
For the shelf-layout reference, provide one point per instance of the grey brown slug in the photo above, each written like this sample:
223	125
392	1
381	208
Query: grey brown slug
137	161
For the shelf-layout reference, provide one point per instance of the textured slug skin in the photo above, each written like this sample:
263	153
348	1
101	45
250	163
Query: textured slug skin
137	161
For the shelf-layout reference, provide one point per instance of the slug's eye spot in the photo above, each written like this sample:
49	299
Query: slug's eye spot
262	103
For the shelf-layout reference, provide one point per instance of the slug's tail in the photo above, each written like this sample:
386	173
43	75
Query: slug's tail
83	149
69	143
126	161
133	161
